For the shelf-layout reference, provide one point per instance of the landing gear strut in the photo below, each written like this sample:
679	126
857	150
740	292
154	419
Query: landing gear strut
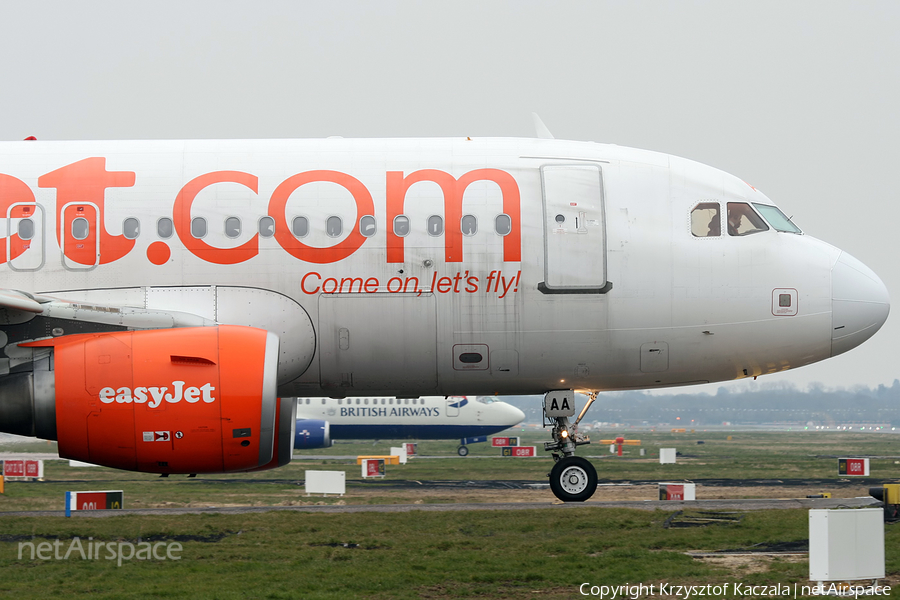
572	479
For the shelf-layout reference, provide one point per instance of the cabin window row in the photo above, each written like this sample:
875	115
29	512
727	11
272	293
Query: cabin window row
365	401
384	401
300	226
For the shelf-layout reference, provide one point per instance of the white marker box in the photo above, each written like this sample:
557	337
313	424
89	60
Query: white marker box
667	456
326	482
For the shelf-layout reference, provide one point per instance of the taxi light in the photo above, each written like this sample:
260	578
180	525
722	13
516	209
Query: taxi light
564	433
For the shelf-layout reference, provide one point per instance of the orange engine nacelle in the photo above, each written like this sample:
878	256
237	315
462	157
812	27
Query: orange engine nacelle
192	400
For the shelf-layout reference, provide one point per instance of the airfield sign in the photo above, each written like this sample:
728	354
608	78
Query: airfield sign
518	451
853	467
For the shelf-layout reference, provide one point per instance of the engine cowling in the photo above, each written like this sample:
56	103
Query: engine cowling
191	400
312	433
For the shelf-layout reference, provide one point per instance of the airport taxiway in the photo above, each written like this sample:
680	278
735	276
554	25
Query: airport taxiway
739	504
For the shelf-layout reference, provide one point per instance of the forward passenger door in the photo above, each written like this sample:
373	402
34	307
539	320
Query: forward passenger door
574	229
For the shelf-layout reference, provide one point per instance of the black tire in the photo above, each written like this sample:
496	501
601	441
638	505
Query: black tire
462	451
573	479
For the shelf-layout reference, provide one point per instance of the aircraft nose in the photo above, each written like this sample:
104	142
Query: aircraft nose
859	304
515	415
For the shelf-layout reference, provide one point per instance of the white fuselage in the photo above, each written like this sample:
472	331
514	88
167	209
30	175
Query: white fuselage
436	266
426	418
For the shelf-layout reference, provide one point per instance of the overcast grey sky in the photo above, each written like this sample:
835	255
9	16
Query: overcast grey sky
800	99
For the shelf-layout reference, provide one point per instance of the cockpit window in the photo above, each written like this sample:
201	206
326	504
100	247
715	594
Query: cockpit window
705	220
743	220
777	219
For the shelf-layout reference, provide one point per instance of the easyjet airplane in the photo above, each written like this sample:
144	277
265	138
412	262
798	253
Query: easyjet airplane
161	296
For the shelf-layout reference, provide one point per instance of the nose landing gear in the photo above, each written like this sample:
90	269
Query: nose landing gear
572	479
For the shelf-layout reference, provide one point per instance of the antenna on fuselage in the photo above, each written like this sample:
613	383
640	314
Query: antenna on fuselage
540	129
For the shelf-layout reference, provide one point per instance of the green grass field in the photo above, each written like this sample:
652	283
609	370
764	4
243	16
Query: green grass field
482	554
525	554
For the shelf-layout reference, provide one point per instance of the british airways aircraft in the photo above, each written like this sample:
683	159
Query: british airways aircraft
322	420
161	297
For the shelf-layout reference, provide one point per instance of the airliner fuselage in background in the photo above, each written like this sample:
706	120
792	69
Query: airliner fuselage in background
182	286
322	420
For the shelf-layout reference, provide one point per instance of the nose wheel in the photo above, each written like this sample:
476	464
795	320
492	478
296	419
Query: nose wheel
573	479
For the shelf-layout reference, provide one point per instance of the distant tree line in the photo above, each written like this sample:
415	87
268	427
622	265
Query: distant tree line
771	404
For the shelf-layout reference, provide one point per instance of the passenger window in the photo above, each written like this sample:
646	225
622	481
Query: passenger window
367	226
232	227
80	228
266	227
435	225
198	227
300	226
743	220
131	228
164	228
401	225
469	225
503	224
705	220
334	226
26	229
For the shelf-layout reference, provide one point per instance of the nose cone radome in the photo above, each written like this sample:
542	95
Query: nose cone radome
859	304
512	415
